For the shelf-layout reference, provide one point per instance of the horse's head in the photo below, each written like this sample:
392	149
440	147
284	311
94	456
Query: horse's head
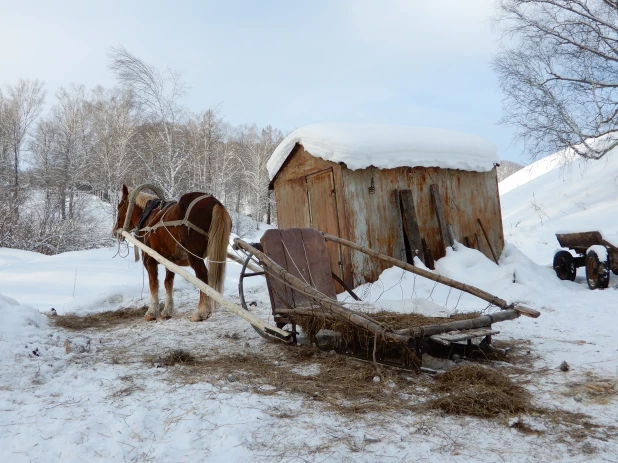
123	205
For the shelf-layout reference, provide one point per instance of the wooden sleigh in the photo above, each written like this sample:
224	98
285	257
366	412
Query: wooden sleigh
302	292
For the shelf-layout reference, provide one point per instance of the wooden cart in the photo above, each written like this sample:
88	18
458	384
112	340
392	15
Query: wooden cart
301	288
591	251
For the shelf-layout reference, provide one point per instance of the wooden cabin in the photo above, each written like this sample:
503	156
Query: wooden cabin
393	189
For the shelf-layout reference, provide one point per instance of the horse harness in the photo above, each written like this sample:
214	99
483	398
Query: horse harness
164	206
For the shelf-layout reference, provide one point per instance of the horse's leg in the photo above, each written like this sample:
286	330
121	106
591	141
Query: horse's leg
153	279
169	299
204	308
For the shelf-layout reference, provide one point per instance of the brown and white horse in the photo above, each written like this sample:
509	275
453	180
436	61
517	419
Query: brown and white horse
186	232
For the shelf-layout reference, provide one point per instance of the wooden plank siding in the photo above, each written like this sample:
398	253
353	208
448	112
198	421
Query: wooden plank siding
292	199
322	198
374	220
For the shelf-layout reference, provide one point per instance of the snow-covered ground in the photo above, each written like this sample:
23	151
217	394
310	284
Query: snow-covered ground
104	402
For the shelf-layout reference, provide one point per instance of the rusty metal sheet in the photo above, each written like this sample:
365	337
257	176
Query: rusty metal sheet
466	197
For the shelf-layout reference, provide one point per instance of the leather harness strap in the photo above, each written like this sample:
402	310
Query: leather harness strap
176	223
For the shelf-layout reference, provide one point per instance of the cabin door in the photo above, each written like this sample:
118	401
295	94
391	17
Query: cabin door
323	215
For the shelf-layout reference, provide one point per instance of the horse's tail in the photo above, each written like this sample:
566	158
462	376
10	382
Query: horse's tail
218	238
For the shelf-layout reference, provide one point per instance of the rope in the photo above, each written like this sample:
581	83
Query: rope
312	297
119	244
300	273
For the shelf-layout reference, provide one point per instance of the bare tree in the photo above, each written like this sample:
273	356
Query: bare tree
113	125
71	122
158	98
559	73
22	106
93	141
206	133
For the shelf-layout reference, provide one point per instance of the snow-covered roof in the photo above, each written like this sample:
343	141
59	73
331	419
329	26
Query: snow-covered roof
388	146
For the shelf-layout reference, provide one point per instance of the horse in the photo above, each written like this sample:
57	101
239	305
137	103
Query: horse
186	232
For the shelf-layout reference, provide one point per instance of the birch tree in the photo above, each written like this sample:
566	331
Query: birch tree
22	106
558	70
113	124
158	98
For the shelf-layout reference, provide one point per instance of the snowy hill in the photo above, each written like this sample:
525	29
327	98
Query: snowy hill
549	196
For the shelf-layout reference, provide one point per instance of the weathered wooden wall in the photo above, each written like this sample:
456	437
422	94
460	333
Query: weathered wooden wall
374	220
300	189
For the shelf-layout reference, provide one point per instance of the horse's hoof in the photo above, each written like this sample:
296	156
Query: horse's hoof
165	317
197	318
149	318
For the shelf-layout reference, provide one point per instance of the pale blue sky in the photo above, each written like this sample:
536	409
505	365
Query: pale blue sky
285	63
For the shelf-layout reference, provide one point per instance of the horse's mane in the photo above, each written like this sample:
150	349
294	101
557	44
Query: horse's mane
143	198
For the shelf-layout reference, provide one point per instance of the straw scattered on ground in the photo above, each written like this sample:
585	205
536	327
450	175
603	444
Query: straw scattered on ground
479	391
345	384
102	320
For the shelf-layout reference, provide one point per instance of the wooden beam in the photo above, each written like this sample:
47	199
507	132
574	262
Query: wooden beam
488	242
234	308
429	263
460	325
410	224
239	260
451	234
437	205
482	322
436	277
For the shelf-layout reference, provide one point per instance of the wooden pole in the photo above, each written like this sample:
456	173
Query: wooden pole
410	224
420	331
308	312
239	260
235	309
469	324
437	205
435	277
487	239
334	307
451	234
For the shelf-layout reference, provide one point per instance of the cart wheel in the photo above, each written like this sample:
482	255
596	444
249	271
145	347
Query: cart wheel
241	294
564	265
597	272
